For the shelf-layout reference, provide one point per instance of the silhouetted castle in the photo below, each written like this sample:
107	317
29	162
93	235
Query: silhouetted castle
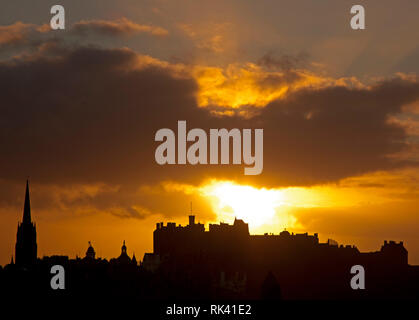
237	262
26	247
226	240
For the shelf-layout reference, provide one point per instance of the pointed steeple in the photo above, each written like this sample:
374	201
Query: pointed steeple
26	248
90	253
27	206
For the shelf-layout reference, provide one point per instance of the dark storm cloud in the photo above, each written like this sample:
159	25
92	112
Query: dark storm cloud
287	66
118	27
89	115
84	116
283	62
328	134
21	34
24	36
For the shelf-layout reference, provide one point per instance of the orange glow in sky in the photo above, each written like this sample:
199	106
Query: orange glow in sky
255	206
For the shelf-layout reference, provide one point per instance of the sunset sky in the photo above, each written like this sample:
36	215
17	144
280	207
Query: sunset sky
80	108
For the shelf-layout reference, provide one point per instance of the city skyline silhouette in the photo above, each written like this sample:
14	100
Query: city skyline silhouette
225	150
81	107
223	262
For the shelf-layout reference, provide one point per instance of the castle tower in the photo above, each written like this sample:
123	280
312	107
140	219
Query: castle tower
26	247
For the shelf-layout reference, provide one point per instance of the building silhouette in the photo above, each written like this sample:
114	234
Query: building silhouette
124	258
224	261
90	252
238	263
26	247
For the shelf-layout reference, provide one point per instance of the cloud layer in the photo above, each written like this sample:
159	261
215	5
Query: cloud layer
89	115
118	27
85	117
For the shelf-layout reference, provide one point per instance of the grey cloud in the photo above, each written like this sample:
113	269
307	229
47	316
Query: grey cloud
88	115
117	27
284	62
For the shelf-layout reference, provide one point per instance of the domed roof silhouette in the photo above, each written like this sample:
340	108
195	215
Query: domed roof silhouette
90	253
123	258
284	233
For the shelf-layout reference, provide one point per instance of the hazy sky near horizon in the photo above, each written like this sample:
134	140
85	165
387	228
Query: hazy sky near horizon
80	107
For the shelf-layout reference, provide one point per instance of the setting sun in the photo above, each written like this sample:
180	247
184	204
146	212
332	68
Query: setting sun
254	206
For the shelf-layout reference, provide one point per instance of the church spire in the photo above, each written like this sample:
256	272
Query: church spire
26	248
27	206
124	248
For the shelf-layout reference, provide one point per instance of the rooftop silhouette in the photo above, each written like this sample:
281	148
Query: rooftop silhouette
223	262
